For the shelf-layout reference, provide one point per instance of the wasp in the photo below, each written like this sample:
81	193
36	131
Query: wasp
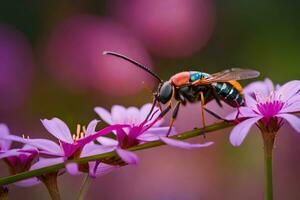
193	86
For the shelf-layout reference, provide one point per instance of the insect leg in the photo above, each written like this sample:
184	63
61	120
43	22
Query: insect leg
174	115
164	112
238	111
217	98
151	110
159	106
215	115
202	108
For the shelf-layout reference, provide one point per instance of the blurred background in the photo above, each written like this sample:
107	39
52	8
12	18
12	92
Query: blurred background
51	66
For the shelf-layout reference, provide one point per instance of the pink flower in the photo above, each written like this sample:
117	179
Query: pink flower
268	108
18	160
137	131
70	146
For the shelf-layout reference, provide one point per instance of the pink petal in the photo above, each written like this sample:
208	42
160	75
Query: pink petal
118	114
9	153
145	109
250	101
47	145
72	168
155	133
45	162
244	112
107	141
161	131
288	90
182	144
59	129
96	170
28	182
127	156
295	98
91	128
104	114
132	116
95	149
240	131
293	120
83	141
262	87
155	113
4	131
43	144
294	107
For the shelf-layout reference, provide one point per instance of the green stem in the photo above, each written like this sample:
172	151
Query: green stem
54	168
85	187
269	139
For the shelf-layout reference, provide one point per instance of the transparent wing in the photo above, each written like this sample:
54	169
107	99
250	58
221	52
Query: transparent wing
233	74
228	75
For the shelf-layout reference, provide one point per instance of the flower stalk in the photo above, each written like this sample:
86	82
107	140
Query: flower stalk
269	139
50	181
56	167
85	187
3	193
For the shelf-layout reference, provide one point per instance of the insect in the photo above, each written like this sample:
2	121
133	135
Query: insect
193	86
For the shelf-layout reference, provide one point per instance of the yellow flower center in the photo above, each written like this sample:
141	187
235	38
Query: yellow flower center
80	132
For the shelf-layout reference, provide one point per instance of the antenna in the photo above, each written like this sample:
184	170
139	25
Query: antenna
133	62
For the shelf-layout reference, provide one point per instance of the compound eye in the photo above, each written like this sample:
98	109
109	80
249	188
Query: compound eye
165	93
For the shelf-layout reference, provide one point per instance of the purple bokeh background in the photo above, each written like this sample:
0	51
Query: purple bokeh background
51	66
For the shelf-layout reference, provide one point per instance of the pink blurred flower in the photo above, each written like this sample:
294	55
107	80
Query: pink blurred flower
18	160
74	56
172	28
70	146
16	67
267	108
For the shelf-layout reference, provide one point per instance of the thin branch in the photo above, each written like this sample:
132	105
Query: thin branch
54	168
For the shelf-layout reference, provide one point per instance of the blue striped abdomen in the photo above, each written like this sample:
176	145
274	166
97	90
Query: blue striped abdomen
228	93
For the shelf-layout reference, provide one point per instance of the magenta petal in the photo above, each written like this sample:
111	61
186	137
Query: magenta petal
104	114
45	162
182	144
4	131
240	131
127	156
73	169
59	129
293	120
99	169
27	182
288	90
